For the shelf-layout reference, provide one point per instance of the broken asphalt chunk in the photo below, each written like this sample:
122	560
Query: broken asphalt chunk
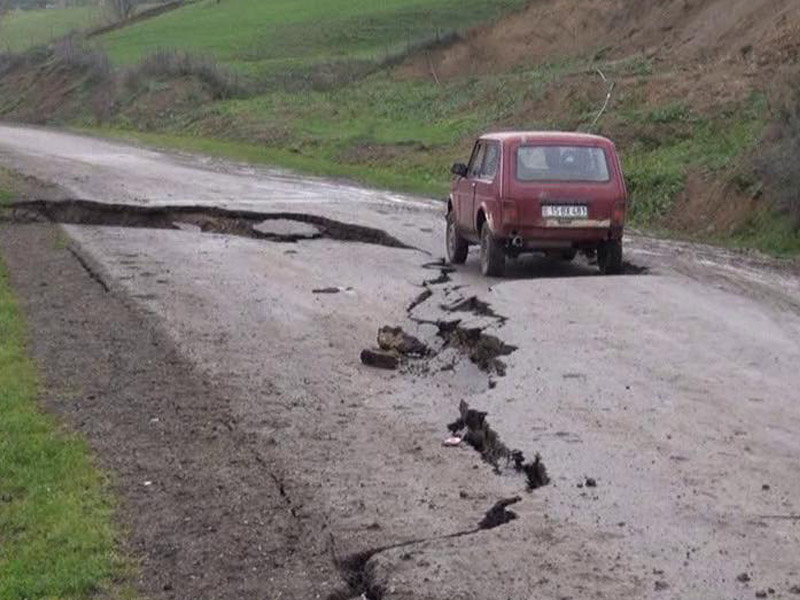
380	359
486	441
499	514
395	339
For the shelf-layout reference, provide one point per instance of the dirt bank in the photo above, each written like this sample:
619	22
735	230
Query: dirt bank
732	33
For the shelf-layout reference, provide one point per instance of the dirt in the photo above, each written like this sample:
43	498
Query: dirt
474	429
483	349
762	34
380	359
216	522
397	340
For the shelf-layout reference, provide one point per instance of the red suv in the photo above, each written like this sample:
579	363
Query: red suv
557	193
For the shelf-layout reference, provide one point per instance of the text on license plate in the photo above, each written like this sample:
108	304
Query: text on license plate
565	211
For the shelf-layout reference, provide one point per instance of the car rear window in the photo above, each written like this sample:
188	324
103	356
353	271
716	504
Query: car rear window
562	163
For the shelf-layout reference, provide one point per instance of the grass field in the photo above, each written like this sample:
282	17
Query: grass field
259	36
23	29
57	538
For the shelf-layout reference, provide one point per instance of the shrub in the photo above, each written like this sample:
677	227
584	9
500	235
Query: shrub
72	53
169	64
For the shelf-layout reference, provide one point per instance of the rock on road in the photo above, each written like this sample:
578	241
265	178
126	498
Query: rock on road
674	388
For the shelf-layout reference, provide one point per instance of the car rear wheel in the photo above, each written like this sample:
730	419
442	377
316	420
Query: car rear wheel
568	255
457	247
493	258
609	257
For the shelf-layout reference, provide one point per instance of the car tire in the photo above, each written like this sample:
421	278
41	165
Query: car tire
493	257
456	246
568	255
609	257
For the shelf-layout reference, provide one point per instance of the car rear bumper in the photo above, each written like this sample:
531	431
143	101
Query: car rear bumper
558	234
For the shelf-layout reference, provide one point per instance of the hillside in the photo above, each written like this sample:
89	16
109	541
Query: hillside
258	37
764	33
703	105
23	29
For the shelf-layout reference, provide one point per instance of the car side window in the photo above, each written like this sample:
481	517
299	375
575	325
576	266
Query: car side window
490	162
476	163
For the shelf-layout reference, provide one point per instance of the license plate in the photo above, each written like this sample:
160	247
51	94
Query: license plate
565	211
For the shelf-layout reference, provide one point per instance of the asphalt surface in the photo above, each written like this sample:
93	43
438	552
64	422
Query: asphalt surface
673	388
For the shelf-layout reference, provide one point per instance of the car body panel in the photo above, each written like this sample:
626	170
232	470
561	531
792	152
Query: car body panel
513	208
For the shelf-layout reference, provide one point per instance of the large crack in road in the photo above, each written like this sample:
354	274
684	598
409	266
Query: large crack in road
207	219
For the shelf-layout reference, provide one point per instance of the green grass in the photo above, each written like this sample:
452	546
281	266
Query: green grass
57	539
384	178
769	232
386	132
23	29
10	185
260	36
656	168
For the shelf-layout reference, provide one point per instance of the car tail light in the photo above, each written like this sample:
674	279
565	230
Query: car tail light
510	212
618	216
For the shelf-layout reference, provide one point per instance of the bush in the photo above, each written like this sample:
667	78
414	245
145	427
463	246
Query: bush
72	53
169	64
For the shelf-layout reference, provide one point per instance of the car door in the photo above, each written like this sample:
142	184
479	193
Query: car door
466	216
484	187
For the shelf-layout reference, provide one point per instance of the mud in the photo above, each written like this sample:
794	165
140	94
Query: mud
474	306
380	359
472	426
358	572
444	269
424	296
499	514
394	339
208	219
482	348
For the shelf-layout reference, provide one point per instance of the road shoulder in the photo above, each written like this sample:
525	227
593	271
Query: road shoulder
203	513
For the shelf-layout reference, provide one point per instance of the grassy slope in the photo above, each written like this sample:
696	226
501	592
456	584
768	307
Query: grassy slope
57	538
260	35
24	29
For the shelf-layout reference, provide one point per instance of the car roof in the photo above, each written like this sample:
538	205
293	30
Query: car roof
545	136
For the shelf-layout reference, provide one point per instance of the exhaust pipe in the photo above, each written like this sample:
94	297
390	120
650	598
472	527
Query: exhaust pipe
517	242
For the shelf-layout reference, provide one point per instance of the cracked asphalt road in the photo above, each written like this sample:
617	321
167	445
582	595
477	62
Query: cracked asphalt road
675	390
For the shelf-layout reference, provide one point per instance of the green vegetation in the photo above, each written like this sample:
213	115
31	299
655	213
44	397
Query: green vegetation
9	185
656	166
56	534
404	134
769	232
259	154
23	29
315	90
287	35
